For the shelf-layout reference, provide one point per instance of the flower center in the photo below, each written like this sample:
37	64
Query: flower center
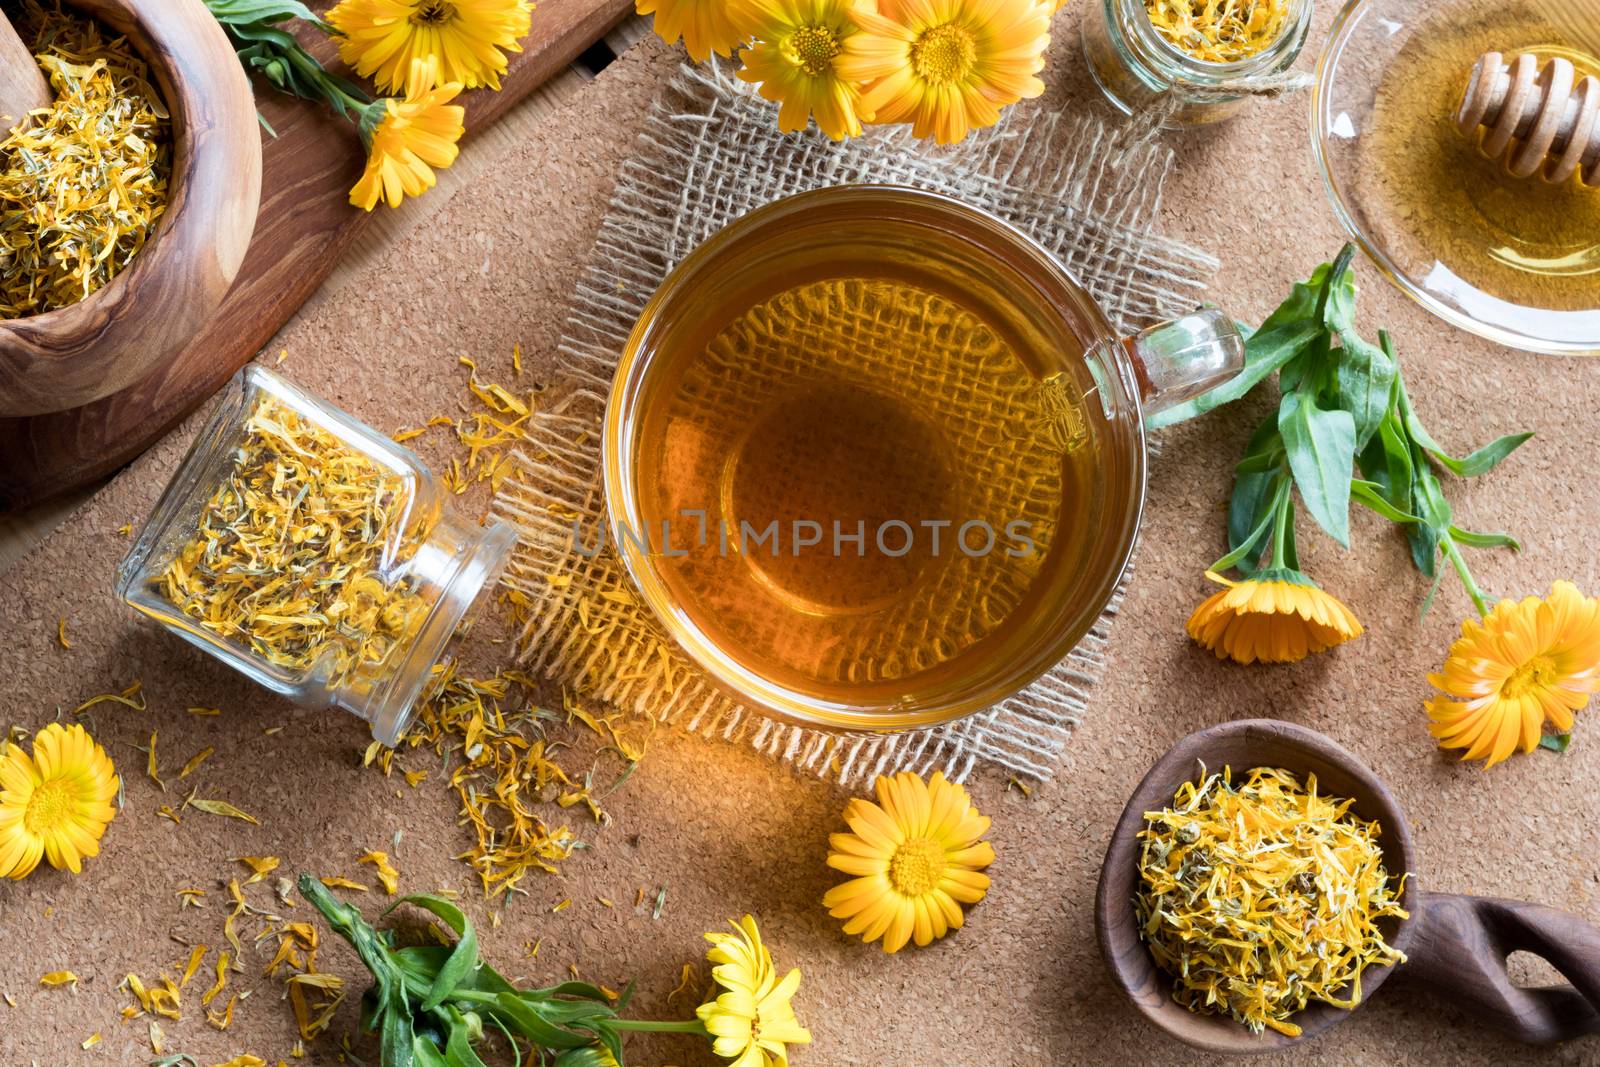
1535	674
433	12
48	808
813	48
917	866
944	54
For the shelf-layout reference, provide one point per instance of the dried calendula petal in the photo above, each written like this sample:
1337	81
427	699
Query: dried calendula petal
261	866
386	873
196	954
83	185
1220	31
1263	897
59	978
290	554
221	982
129	697
221	807
195	761
344	883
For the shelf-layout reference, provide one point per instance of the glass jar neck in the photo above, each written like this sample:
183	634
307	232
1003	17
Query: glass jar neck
463	562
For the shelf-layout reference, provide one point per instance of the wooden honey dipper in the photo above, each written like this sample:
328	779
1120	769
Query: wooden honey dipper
1539	120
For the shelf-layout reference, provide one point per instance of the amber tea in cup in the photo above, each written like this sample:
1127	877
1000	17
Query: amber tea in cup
863	469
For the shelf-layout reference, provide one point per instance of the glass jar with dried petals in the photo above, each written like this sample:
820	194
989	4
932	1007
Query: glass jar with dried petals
313	554
1198	61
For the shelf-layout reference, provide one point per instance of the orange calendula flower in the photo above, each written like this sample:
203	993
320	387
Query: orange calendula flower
467	38
946	66
798	43
406	139
1279	616
706	26
1526	663
917	856
55	804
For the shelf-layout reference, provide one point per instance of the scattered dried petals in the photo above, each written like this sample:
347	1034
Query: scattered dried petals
59	978
386	873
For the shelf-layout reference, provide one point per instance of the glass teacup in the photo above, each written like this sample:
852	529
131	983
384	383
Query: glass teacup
876	461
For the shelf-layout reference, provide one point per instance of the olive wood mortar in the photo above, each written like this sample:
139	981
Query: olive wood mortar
1456	945
133	325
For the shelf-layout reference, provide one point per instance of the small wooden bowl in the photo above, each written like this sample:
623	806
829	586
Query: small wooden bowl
120	334
1456	945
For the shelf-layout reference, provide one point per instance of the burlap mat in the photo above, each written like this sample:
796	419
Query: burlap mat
711	152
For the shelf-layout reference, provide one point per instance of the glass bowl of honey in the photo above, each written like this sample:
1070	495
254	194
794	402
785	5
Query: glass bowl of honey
1515	259
876	461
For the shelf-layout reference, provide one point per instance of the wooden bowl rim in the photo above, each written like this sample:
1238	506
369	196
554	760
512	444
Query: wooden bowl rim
196	147
1128	959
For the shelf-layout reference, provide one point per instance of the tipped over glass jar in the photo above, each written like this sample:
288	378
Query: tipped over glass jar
313	554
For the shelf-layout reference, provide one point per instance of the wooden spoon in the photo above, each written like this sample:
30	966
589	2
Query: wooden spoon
145	315
22	85
1456	945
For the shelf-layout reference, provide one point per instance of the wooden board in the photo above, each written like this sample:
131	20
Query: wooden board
305	224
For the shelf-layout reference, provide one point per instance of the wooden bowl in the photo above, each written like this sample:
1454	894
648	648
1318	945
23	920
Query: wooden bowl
1456	946
143	318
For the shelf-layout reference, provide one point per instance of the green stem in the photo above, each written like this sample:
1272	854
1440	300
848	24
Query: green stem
691	1026
1447	544
1280	524
314	70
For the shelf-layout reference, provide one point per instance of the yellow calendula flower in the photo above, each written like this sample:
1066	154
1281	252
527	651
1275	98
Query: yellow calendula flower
407	138
55	804
1279	616
946	66
467	38
793	62
752	1022
706	26
1526	663
917	856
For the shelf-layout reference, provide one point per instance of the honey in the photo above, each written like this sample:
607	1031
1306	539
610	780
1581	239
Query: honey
1502	248
870	469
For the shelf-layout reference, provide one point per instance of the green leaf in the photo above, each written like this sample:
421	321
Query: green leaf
1321	446
426	1054
1371	494
1479	462
1265	352
1365	379
1339	294
458	1050
1250	543
245	12
1398	469
1484	459
1555	742
587	1056
1484	540
1424	541
521	1016
463	959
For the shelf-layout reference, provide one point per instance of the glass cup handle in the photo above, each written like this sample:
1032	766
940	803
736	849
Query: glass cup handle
1178	360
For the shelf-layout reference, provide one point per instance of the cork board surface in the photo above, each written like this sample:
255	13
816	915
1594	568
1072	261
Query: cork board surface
727	831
